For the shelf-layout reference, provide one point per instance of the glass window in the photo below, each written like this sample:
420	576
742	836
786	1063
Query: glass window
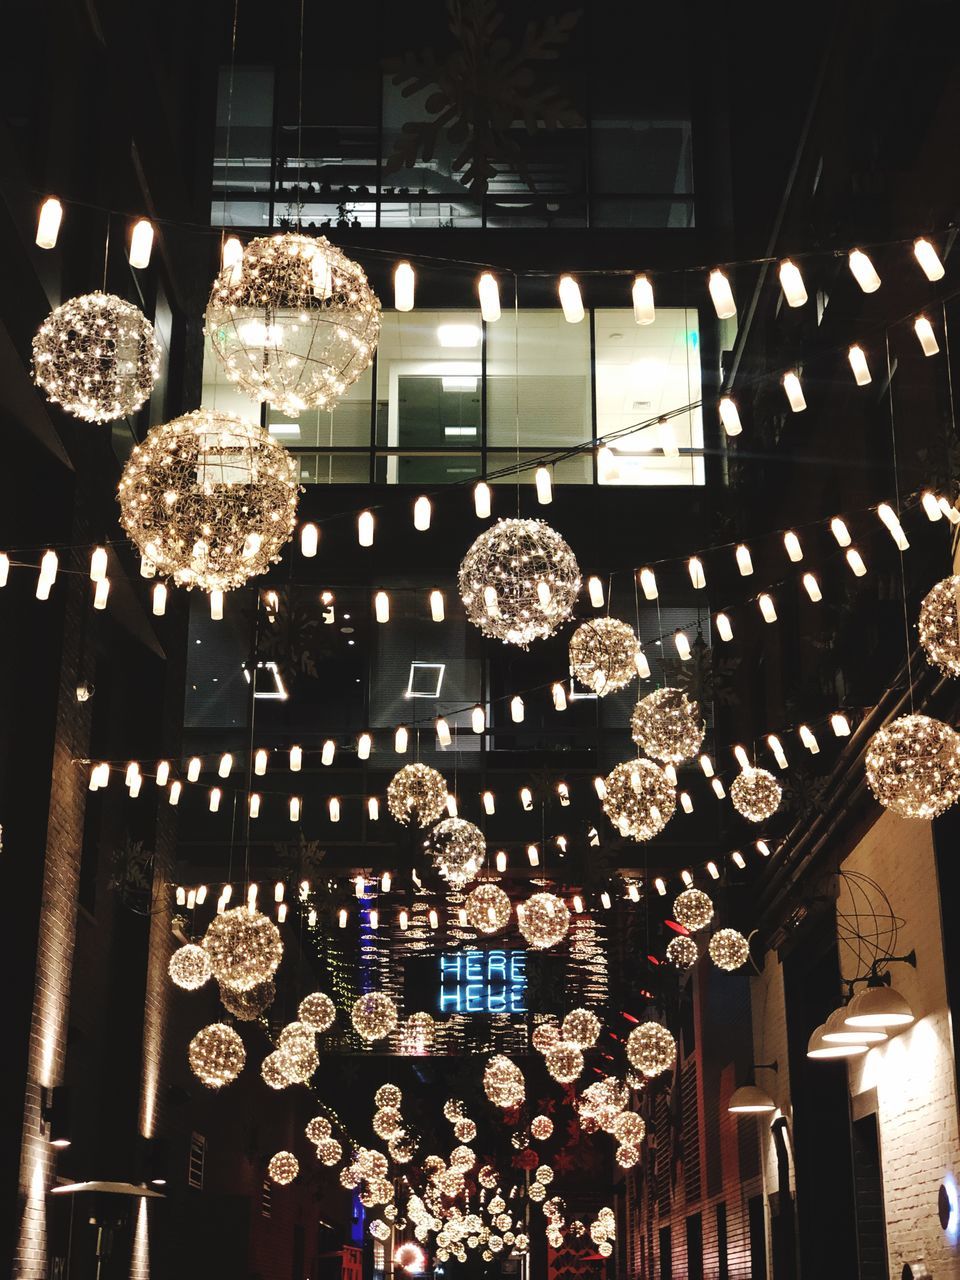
242	178
643	372
551	397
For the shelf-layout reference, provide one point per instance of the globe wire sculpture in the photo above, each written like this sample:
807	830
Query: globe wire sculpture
729	949
939	625
668	726
693	909
417	794
544	920
247	1006
374	1016
216	1055
503	1082
294	322
458	848
913	766
603	654
756	794
189	967
682	952
639	799
651	1048
243	947
488	908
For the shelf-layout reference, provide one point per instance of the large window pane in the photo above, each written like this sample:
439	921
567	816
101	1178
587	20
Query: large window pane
244	174
551	396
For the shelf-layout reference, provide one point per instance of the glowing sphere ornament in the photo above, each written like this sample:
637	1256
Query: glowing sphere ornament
374	1016
410	1257
939	625
668	726
417	1033
519	581
388	1095
216	1055
247	1006
682	952
564	1063
243	947
913	766
581	1028
458	849
387	1122
273	1071
503	1082
488	908
651	1048
729	949
189	967
317	1011
417	794
544	920
329	1152
546	1035
541	1127
298	1061
693	909
627	1156
283	1168
629	1128
209	499
603	655
756	794
639	799
294	322
464	1130
97	357
317	1130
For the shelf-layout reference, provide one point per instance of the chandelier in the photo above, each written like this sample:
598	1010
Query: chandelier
417	794
667	725
639	799
458	849
913	766
603	655
756	794
243	947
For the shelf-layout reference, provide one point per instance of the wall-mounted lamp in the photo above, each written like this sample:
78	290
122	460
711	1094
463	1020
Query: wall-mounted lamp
750	1099
879	1006
55	1115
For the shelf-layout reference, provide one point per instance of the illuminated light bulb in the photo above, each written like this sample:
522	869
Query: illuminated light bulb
687	878
404	920
863	271
608	468
433	918
516	709
794	392
294	808
501	861
174	793
840	531
451	803
365	528
683	646
570	300
98	564
327	752
641	663
312	917
260	762
400	740
642	294
605	900
533	855
738	858
563	792
743	760
232	256
489	804
215	797
404	283
443	732
925	336
776	746
359	886
4	569
697	576
721	295
478	721
193	769
929	261
931	506
135	786
648	584
141	244
159	600
296	759
808	738
595	591
526	798
227	892
48	574
163	773
225	765
386	880
342	917
543	593
99	776
577	903
381	602
744	561
216	605
488	291
858	363
278	891
481	500
949	510
544	486
309	540
729	416
718	789
633	891
559	697
763	848
281	913
724	629
333	808
713	871
706	764
436	606
767	607
364	745
889	518
840	725
133	771
181	896
254	804
101	591
660	887
600	787
48	224
686	804
490	601
792	546
812	587
855	561
791	282
422	511
374	918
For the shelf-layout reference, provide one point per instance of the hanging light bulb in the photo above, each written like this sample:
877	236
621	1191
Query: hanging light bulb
481	500
648	584
763	848
478	720
333	808
687	878
159	600
667	439
141	243
767	607
490	601
544	486
858	363
776	747
281	913
697	576
808	738
570	300
889	518
864	271
404	282
812	587
794	392
840	725
563	793
451	803
173	795
516	709
600	787
724	629
559	697
949	510
163	773
295	809
309	540
931	506
381	603
683	646
296	759
744	560
660	887
400	740
98	564
359	886
489	804
225	765
743	760
501	861
729	416
404	920
840	531
254	804
721	295
925	336
670	772
706	764
342	917
193	769
231	256
328	751
793	548
443	732
48	224
641	663
100	594
642	294
686	804
260	762
927	256
738	858
533	855
48	574
364	745
4	569
526	798
436	606
365	528
386	880
718	788
791	282
215	797
422	510
855	561
216	605
489	292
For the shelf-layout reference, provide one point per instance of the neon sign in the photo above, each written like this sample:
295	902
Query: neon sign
483	982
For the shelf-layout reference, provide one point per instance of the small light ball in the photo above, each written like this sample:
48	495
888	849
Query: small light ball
329	1151
283	1168
189	967
503	1082
417	1033
651	1048
729	949
464	1130
756	794
247	1006
387	1122
544	920
541	1127
581	1028
939	625
216	1055
417	794
546	1035
453	1109
458	848
627	1157
564	1063
462	1158
244	948
603	654
913	766
605	1248
682	952
668	726
317	1130
537	1192
488	908
693	909
388	1095
273	1071
374	1016
629	1128
639	800
317	1011
299	1061
402	1148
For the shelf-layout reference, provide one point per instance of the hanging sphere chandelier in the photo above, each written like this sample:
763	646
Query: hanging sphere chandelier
417	794
651	1048
603	655
729	949
374	1016
243	947
639	799
564	1062
756	794
458	848
939	625
97	357
519	581
503	1082
913	766
580	1027
544	920
682	952
283	1168
693	909
668	726
189	967
247	1006
317	1011
488	908
209	499
216	1055
293	322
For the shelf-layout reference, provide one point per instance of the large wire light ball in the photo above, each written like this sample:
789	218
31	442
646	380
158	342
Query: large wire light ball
564	1062
693	909
318	1129
97	357
209	499
503	1082
581	1028
388	1095
464	1130
317	1011
639	799
417	794
629	1128
248	1005
651	1048
458	848
729	949
939	625
544	920
374	1016
546	1035
603	654
273	1070
294	322
244	948
488	908
189	967
682	952
913	766
519	581
283	1168
216	1055
541	1127
756	794
329	1151
387	1122
668	726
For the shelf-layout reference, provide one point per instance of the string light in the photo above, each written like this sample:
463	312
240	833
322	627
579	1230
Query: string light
481	500
642	295
559	697
683	646
791	282
863	271
812	587
516	709
422	511
327	752
855	561
544	486
776	747
930	264
404	283
925	336
444	736
698	579
570	300
724	628
767	607
794	392
744	560
858	363
792	545
648	584
48	224
364	746
489	293
892	523
809	740
436	606
721	295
